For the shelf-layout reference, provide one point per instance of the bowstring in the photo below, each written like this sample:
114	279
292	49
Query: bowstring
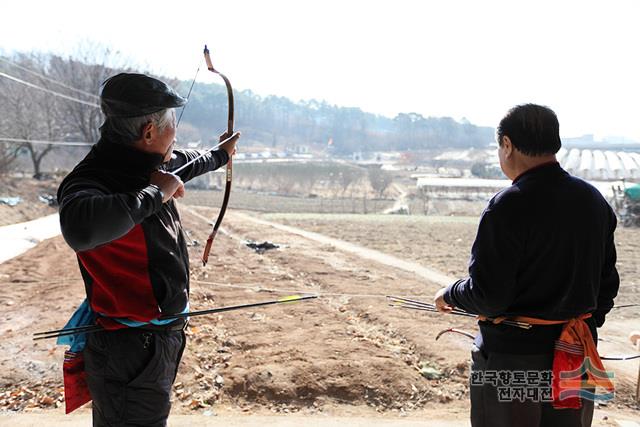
188	95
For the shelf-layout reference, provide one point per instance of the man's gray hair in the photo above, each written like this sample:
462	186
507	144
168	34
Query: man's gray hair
129	129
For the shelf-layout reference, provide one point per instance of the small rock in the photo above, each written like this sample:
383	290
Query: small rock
258	316
196	404
47	401
429	370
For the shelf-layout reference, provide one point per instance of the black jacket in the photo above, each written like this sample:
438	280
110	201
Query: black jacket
130	246
544	248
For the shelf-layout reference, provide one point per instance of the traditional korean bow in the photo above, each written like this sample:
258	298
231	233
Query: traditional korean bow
229	135
227	188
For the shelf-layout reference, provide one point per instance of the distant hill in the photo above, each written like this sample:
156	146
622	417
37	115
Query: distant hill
279	122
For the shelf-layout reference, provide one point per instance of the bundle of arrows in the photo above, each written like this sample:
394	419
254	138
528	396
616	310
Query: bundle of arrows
412	304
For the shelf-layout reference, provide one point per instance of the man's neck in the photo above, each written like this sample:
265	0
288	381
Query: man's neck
526	163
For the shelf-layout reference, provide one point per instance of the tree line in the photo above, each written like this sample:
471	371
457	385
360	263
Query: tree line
280	122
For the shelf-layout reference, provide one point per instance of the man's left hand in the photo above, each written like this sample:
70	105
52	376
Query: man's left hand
440	303
230	146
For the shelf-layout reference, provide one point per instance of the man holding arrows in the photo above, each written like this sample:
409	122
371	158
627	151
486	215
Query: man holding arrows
544	254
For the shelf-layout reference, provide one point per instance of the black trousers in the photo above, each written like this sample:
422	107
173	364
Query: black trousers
130	374
488	405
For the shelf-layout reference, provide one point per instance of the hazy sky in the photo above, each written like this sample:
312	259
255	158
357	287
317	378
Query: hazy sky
456	58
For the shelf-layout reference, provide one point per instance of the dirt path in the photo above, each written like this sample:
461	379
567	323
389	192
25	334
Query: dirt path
19	238
401	200
366	253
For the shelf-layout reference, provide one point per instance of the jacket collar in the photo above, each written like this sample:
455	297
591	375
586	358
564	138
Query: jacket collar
126	157
541	169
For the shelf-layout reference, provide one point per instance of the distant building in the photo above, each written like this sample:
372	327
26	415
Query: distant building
600	165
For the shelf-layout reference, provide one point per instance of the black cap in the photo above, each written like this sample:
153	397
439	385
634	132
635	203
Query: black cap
133	95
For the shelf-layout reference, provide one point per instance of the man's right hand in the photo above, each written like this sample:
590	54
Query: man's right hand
171	185
441	305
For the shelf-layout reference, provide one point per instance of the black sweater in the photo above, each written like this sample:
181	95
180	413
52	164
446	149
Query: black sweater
544	248
130	246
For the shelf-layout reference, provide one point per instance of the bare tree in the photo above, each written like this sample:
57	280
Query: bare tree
347	177
41	109
85	72
30	114
423	195
8	150
379	180
284	182
304	175
8	155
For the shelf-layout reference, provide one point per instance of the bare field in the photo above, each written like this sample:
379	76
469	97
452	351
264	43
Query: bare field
445	243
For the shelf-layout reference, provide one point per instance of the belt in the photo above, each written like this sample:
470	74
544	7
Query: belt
178	325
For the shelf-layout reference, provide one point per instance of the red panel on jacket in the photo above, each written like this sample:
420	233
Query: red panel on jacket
121	285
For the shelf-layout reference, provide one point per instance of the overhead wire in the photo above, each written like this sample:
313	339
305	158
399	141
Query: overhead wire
31	141
52	92
55	93
42	76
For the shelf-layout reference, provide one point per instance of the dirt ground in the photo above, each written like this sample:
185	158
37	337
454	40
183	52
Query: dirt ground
346	353
29	190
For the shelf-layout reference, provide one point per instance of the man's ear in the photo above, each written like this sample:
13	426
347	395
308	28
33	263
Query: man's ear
507	146
148	133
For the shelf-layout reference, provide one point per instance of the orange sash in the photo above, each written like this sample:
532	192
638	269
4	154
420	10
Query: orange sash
575	354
